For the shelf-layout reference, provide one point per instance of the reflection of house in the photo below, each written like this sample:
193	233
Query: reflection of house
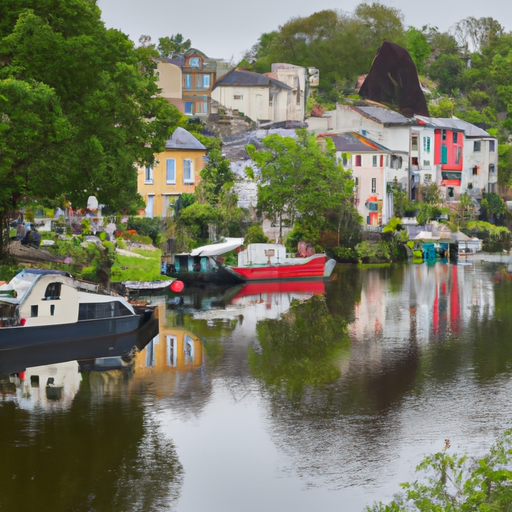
373	169
176	171
259	97
174	349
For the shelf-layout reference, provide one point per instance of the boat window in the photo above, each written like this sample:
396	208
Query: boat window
8	315
95	311
53	291
52	309
34	311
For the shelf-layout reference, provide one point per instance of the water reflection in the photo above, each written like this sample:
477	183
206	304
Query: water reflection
312	423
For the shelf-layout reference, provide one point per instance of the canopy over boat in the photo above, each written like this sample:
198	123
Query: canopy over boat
229	244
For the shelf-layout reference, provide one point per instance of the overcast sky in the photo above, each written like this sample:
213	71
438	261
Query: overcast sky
227	28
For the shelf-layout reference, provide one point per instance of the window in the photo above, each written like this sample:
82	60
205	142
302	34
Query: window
188	81
477	146
426	144
205	108
414	143
454	135
382	160
492	146
97	310
415	161
443	134
374	185
238	97
358	160
356	182
52	310
458	155
475	170
33	311
374	160
52	291
172	350
427	178
206	81
492	168
426	163
199	81
188	349
187	171
189	107
194	62
170	171
270	100
149	175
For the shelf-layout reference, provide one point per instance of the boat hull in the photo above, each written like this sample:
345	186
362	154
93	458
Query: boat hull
23	347
311	268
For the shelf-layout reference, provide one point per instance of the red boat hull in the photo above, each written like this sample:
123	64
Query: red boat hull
311	268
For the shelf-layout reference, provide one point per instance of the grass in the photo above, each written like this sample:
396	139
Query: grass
131	268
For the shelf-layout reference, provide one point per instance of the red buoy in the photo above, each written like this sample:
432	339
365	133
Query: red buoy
177	286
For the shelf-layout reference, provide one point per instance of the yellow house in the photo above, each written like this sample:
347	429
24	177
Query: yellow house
176	171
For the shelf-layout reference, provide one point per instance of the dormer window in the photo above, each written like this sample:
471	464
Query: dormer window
194	62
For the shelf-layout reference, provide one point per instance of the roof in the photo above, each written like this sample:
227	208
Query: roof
454	124
181	139
242	78
352	142
382	115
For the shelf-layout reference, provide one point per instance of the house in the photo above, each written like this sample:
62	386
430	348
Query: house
374	171
261	98
465	157
170	80
176	171
298	79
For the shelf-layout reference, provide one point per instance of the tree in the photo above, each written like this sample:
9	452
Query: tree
493	205
301	181
173	46
216	175
416	43
101	93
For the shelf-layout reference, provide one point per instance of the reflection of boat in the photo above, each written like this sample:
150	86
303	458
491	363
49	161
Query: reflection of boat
300	287
47	315
147	285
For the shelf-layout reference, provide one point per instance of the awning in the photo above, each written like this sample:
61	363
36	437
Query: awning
217	249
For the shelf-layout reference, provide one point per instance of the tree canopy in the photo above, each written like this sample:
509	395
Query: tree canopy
300	181
78	106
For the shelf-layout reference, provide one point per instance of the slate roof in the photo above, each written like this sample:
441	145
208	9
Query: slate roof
240	77
383	115
352	142
181	139
455	124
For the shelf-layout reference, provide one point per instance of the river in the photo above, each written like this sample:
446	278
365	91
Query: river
251	400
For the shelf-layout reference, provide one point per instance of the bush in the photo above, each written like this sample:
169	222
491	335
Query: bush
148	227
255	235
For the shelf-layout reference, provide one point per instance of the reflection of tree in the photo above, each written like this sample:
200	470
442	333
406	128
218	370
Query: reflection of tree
299	349
103	454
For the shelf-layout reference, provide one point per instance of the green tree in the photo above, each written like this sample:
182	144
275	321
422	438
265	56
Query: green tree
216	175
301	181
173	46
494	205
416	42
101	92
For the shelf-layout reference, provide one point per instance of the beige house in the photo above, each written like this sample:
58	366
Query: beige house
261	98
170	82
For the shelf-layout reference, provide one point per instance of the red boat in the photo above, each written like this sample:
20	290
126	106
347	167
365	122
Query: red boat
263	262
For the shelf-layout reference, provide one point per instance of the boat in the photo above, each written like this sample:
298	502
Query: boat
257	262
268	262
48	311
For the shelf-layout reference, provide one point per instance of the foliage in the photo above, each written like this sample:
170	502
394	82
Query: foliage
255	235
299	349
186	199
173	46
197	218
464	211
147	227
300	181
81	99
459	483
493	205
427	211
402	205
215	177
487	231
345	254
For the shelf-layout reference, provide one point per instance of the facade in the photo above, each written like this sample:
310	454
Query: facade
176	171
374	169
199	73
170	78
261	98
465	157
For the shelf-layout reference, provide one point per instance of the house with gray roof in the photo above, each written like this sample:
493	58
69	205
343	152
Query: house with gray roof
262	98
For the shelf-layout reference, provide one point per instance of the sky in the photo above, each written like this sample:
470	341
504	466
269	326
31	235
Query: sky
225	29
